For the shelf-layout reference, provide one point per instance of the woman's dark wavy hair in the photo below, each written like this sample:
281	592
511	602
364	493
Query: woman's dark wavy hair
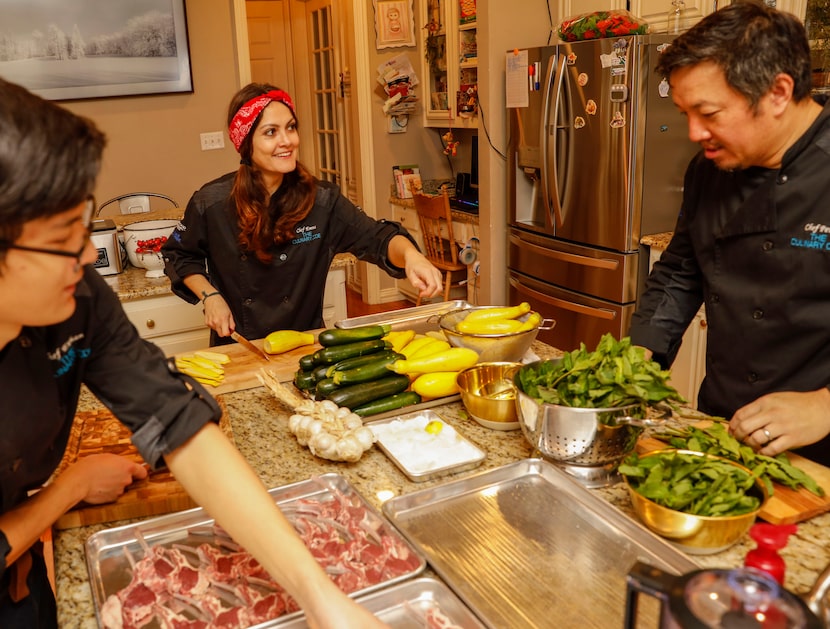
259	231
751	43
49	159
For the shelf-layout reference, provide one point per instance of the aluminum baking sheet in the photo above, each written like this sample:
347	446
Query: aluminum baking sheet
438	463
109	567
419	318
523	544
406	605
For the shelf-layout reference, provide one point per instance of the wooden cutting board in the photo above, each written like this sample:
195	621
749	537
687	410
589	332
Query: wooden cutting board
98	431
241	372
786	506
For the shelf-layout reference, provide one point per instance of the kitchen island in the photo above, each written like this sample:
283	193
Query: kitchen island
259	428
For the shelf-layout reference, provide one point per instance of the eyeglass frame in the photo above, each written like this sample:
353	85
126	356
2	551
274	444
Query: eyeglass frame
87	217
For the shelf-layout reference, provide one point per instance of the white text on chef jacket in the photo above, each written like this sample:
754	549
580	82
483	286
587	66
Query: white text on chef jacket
307	234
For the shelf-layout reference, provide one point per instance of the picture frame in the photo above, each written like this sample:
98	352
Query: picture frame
72	50
394	23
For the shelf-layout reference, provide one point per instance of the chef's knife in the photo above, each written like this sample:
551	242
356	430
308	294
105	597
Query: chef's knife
249	346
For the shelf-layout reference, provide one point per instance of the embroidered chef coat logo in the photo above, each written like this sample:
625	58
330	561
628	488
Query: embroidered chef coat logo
816	238
67	354
306	233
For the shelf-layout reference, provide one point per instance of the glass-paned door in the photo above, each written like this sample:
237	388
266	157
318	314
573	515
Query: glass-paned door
324	87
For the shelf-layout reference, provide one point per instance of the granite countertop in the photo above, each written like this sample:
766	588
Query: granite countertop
259	425
657	241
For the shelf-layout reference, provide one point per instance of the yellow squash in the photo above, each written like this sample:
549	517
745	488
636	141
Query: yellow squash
436	384
533	320
283	341
431	348
488	326
507	312
415	344
453	359
399	338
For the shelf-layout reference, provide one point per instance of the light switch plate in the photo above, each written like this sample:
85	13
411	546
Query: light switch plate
212	141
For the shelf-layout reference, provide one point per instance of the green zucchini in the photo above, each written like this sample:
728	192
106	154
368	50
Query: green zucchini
324	387
370	371
304	380
388	403
332	355
319	372
307	362
356	395
336	336
358	361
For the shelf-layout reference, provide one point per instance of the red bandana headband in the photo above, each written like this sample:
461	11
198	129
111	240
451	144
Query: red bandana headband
244	119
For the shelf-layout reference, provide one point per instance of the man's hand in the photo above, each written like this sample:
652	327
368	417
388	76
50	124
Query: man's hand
782	421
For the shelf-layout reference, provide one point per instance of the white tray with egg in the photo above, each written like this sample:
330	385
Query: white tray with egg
423	445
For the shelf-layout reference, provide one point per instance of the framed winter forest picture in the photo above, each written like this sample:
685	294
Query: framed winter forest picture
76	49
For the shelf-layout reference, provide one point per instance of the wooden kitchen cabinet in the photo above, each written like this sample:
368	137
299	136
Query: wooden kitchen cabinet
450	61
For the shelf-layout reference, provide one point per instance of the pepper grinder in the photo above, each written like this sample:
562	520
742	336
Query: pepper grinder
770	539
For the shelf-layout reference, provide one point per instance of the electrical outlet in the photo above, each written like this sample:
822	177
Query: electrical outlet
212	141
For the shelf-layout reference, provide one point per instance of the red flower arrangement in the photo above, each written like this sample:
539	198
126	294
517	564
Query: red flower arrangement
600	24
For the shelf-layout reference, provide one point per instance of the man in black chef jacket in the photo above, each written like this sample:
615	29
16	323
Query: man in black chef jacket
752	242
62	326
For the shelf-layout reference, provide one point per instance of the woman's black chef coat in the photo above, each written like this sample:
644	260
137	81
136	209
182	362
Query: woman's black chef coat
288	292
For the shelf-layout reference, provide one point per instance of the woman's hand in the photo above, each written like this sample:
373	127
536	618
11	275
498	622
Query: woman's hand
422	274
781	421
218	316
101	478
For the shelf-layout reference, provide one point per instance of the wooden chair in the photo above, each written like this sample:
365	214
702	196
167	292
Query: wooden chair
440	248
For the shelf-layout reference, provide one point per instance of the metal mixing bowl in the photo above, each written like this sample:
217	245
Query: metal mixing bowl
588	443
489	395
490	347
695	534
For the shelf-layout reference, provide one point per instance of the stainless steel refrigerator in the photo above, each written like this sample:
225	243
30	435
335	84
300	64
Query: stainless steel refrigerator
595	161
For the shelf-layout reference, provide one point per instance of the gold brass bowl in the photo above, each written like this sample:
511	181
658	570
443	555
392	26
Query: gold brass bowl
695	534
489	395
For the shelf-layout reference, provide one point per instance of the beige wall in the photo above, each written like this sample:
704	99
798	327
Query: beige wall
153	141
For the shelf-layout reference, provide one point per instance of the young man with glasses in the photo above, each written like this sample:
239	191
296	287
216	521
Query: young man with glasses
62	326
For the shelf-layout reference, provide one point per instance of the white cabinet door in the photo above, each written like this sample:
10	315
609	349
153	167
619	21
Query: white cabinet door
570	8
689	367
171	323
655	12
334	298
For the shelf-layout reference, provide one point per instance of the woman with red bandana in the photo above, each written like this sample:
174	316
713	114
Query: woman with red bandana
255	245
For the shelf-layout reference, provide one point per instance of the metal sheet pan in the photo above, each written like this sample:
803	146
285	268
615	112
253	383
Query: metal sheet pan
403	606
417	474
524	541
109	568
419	318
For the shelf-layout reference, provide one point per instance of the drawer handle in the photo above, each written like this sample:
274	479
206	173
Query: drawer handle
150	323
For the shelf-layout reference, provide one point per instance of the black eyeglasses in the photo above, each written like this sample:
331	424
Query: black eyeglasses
86	218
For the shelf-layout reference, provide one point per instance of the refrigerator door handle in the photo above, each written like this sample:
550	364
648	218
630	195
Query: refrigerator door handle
597	313
550	187
608	264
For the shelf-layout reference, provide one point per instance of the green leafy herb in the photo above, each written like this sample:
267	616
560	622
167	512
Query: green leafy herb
615	374
692	484
715	439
